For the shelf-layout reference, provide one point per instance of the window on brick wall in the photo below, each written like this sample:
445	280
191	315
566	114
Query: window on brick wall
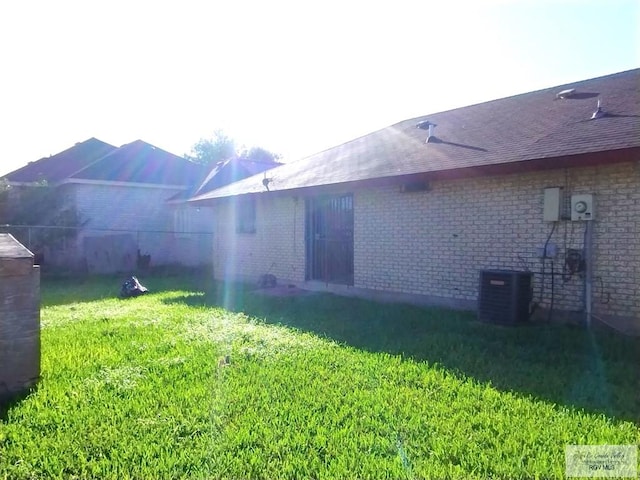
246	215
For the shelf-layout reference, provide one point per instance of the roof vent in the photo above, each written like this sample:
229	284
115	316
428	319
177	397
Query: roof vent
599	113
267	181
425	124
431	137
569	92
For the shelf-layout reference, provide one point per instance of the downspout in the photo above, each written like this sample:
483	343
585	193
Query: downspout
588	274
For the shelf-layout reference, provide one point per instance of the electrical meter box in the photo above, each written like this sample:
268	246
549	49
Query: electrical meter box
582	207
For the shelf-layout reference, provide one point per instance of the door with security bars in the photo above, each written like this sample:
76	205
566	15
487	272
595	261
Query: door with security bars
329	243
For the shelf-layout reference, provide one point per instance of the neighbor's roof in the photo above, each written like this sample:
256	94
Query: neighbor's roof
60	166
223	173
93	159
140	162
513	131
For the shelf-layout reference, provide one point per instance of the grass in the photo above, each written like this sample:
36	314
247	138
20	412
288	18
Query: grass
316	387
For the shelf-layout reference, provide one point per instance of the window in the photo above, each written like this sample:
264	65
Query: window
182	221
246	215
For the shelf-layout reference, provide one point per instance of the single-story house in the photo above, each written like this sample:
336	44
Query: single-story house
546	182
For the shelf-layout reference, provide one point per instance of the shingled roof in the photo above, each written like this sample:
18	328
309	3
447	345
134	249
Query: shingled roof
60	166
541	129
141	162
223	173
95	160
228	171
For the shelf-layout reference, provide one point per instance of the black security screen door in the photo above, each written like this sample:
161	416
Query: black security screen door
330	239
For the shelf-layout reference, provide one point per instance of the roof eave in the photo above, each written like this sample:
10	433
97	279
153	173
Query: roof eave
30	184
83	181
606	157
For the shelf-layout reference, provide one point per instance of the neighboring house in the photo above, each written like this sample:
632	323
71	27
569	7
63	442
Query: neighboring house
415	211
233	170
131	202
120	197
192	224
56	168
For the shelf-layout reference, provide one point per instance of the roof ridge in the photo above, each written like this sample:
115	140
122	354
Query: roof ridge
63	152
515	95
161	150
115	149
125	146
553	87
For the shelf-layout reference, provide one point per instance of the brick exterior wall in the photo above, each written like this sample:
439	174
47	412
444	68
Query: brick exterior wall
434	243
276	247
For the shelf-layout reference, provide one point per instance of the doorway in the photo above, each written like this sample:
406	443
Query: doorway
329	245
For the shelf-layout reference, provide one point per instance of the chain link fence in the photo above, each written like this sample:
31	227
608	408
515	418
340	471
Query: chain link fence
104	250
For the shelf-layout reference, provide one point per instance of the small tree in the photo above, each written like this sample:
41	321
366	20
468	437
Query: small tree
259	154
222	147
209	151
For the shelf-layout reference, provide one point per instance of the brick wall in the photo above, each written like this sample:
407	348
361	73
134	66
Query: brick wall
440	239
277	246
434	243
19	326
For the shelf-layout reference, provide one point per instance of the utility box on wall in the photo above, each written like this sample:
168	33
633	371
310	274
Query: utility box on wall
19	318
552	203
582	207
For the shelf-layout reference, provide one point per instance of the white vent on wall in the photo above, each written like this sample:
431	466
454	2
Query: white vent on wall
582	207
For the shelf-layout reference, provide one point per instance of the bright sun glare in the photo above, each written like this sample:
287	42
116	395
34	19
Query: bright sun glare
293	77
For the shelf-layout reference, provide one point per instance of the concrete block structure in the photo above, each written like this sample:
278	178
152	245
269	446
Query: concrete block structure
19	319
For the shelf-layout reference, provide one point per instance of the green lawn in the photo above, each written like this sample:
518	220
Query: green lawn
317	387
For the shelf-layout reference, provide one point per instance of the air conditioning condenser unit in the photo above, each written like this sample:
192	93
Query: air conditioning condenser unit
504	296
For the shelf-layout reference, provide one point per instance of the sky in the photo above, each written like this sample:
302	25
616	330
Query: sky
295	77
